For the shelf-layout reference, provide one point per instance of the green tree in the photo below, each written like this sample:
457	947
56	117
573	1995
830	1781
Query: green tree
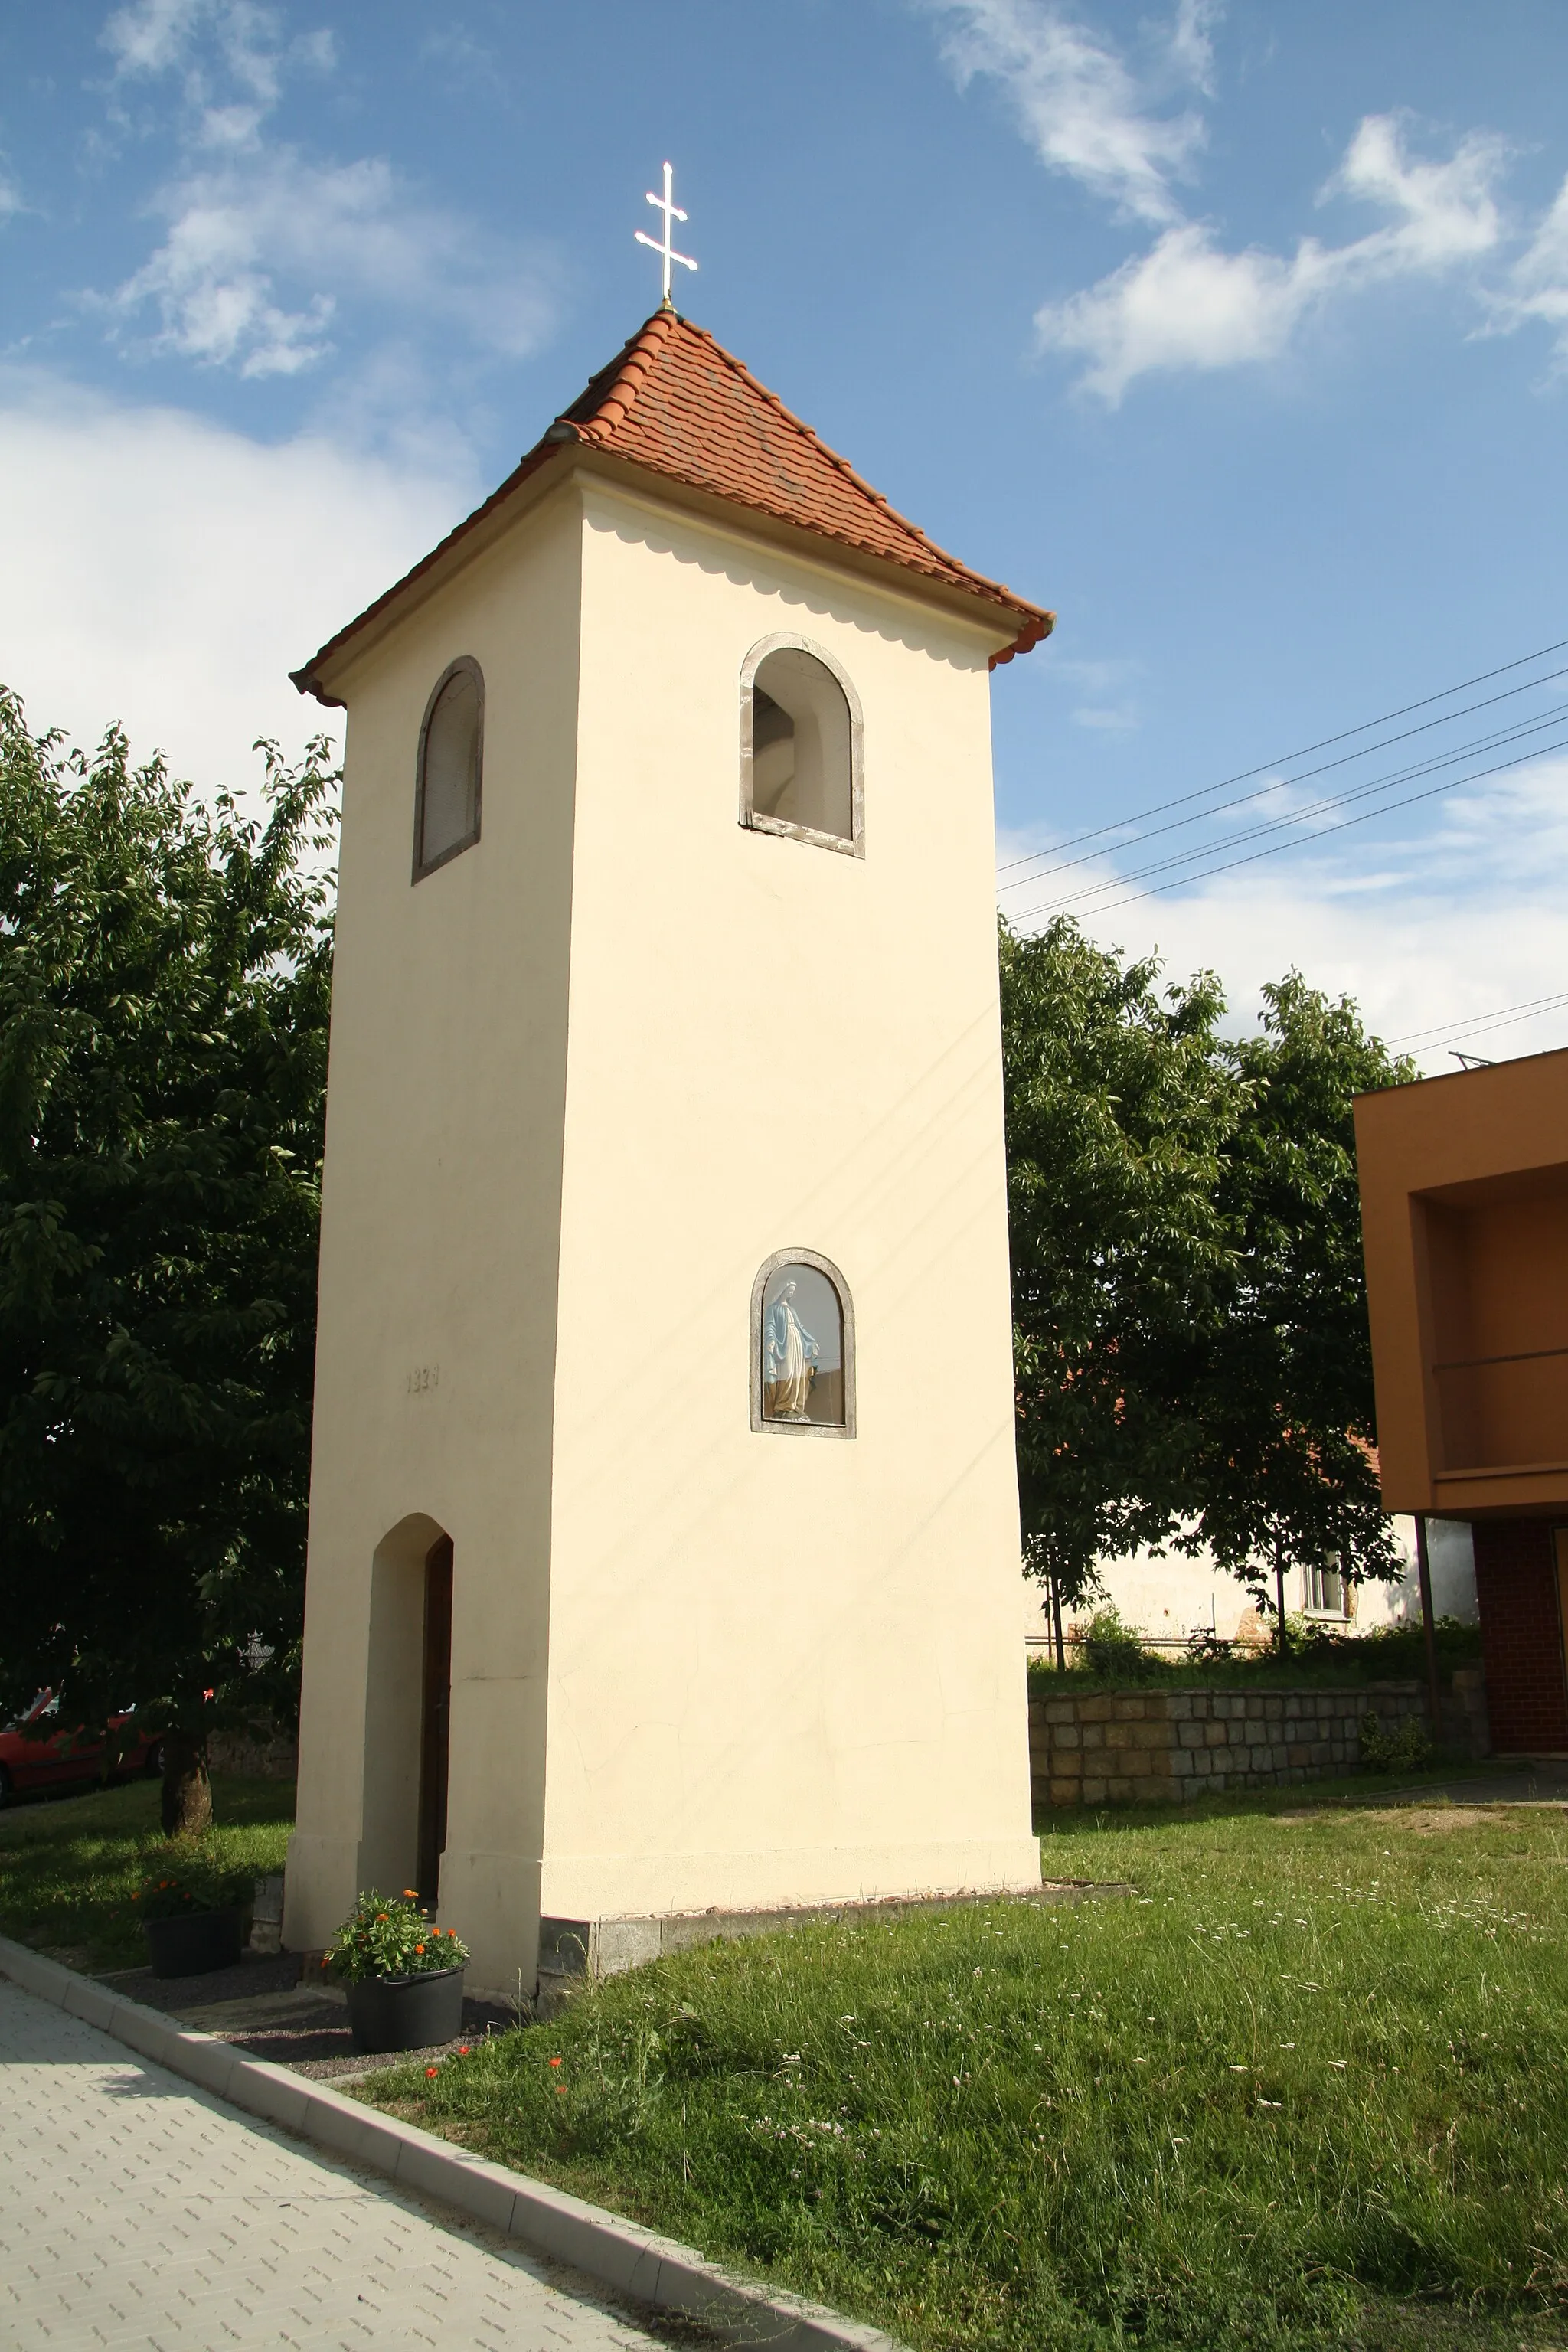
164	974
1285	1459
1120	1105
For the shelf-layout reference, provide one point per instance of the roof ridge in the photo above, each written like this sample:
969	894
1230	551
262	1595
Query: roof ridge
867	489
636	365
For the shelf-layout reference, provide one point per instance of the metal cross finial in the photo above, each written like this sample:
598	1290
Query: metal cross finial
671	211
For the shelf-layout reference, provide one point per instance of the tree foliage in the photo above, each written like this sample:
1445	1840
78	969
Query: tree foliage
1285	1465
1192	1355
164	976
1120	1106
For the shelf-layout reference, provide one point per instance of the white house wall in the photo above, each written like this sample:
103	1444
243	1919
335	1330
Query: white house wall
1170	1600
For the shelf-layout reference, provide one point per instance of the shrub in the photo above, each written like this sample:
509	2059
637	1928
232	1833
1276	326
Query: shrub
181	1878
390	1936
1107	1645
1405	1750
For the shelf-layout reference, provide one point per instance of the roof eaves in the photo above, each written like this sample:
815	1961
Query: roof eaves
597	417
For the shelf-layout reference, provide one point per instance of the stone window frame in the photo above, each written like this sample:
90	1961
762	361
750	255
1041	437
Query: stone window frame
823	1266
755	820
423	865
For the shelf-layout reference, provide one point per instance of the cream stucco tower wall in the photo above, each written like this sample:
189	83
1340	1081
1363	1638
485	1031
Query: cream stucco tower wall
585	1079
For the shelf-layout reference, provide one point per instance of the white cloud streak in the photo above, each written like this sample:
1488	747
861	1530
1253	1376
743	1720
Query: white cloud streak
349	232
1537	287
270	260
1189	304
1083	110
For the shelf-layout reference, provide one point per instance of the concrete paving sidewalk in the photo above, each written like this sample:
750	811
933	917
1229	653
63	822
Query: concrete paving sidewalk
141	2215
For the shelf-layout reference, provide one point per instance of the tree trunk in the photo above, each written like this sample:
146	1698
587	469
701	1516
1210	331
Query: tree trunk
187	1799
1279	1590
1057	1624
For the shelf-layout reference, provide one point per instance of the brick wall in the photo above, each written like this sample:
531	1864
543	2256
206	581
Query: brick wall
1167	1747
1521	1638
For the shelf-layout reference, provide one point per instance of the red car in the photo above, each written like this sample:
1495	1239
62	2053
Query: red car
67	1758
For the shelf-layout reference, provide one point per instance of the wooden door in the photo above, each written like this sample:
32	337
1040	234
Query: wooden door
435	1712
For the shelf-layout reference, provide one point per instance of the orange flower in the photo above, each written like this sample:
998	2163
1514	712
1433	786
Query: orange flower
419	1948
384	1914
555	2062
432	2070
462	2049
411	1895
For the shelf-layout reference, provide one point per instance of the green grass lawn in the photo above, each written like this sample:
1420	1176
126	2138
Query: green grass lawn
1306	2087
68	1864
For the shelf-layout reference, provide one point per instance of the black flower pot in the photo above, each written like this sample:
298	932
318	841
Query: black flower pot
192	1944
407	2012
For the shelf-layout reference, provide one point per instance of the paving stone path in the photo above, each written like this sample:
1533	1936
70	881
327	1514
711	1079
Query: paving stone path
137	2213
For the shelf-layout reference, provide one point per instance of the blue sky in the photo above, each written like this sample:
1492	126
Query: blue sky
1239	335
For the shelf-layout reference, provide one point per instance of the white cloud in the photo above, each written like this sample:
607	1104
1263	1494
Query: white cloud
200	40
175	572
259	256
1187	303
1191	41
1449	213
270	259
1433	929
1537	287
1083	110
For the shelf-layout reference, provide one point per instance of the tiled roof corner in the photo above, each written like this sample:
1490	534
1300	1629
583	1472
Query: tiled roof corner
675	403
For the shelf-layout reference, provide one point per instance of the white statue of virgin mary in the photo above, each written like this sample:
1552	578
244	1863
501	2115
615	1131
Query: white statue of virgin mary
789	1352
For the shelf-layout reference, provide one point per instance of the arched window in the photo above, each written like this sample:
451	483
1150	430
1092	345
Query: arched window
803	1347
800	746
451	759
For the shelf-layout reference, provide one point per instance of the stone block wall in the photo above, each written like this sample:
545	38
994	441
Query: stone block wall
264	1759
1169	1746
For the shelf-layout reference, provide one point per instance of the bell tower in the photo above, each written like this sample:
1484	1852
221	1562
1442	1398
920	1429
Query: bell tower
664	1539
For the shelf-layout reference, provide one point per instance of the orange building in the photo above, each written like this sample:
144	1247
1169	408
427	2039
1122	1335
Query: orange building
1464	1186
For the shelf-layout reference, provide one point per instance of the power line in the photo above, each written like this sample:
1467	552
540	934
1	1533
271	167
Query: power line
1244	775
1366	817
1503	1016
1471	750
1281	783
1464	1020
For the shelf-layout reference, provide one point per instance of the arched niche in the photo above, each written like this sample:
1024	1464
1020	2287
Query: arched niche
802	1347
802	746
449	771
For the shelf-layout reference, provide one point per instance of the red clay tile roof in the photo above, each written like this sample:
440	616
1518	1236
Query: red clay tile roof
676	402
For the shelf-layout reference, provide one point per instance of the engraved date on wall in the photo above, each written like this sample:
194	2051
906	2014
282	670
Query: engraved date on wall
421	1379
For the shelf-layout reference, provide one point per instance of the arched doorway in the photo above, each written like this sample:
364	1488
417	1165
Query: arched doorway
408	1696
434	1717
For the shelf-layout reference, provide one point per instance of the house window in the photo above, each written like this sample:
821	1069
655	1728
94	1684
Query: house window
803	1347
1325	1592
451	757
800	746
